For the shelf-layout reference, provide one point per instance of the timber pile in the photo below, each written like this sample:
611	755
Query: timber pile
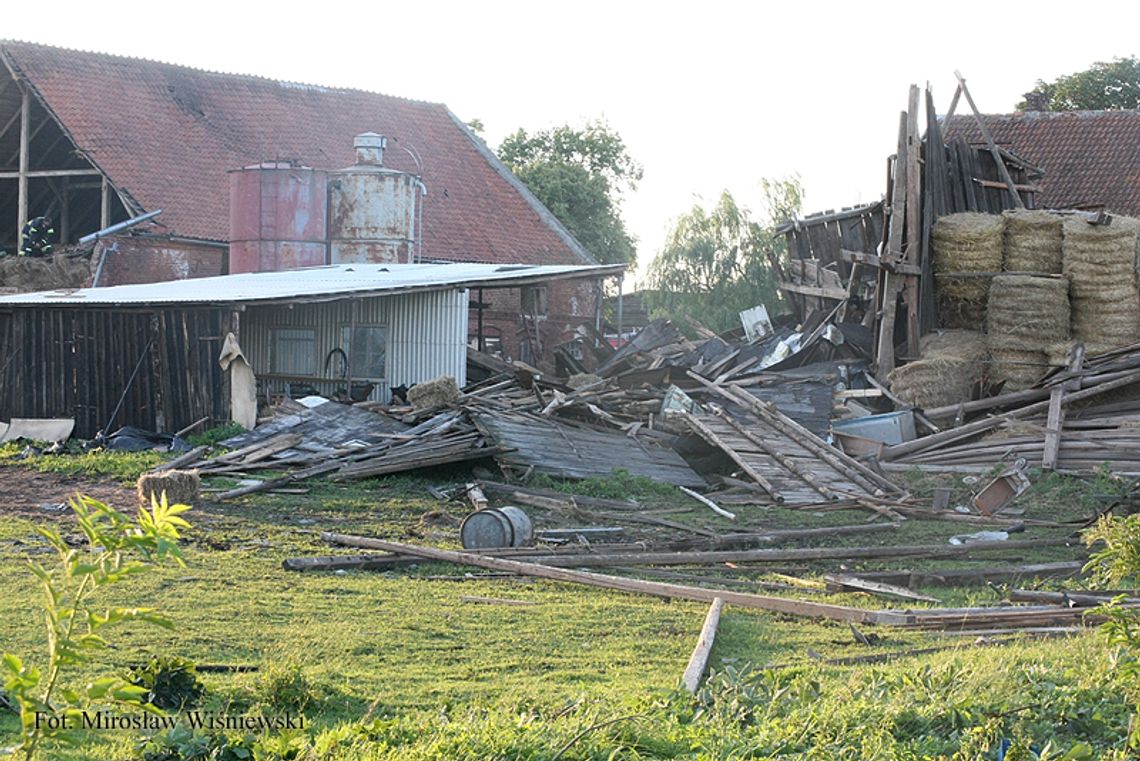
1076	420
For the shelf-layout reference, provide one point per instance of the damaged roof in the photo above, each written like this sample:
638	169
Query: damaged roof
1091	159
327	283
166	136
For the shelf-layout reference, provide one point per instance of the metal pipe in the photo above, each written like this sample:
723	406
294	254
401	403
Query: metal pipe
119	226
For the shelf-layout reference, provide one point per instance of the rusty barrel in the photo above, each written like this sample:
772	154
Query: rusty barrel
496	527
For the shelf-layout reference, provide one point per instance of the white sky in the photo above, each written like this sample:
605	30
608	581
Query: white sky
707	95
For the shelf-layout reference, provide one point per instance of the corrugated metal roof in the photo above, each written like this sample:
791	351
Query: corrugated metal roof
312	284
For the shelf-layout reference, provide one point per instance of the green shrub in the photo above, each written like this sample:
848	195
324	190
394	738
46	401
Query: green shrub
172	683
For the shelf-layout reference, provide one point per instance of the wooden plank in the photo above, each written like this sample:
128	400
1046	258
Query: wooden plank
699	660
822	291
711	437
847	582
1056	418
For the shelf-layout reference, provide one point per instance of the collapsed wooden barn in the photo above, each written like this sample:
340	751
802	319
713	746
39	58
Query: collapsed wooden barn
148	355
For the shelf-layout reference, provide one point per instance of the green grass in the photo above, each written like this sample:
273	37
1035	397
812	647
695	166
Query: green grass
398	666
121	466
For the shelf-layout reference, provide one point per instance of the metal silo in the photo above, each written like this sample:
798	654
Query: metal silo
372	209
278	217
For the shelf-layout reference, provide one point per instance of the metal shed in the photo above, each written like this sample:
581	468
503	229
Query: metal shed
77	353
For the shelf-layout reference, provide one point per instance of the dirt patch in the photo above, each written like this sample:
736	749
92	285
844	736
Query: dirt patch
26	492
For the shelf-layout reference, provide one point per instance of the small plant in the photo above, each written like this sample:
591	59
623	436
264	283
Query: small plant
1118	562
282	686
117	548
171	682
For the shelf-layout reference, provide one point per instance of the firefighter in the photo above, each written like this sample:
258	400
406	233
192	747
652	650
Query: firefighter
37	237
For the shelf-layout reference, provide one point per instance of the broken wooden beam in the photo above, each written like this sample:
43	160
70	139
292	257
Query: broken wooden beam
699	660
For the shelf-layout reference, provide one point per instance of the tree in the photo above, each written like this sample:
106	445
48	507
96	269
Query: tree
580	175
715	262
1103	86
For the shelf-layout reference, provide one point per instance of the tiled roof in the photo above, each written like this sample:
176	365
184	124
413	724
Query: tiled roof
1090	158
166	136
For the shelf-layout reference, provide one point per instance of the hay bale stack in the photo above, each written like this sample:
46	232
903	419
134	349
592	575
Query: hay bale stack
1027	312
965	243
1027	316
952	362
1032	241
437	392
29	273
180	486
1100	260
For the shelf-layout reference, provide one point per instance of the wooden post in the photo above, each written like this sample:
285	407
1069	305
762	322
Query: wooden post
105	206
913	221
22	203
1056	420
885	357
65	211
699	660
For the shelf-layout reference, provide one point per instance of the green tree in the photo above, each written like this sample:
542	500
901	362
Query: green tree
1101	87
715	262
581	176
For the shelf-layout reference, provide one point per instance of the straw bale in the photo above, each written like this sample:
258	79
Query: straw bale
1019	368
935	382
1027	312
968	242
29	273
180	486
1032	241
1099	256
437	392
954	344
580	380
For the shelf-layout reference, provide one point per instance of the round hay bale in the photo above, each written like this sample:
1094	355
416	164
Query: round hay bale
935	382
1032	241
1099	256
1027	312
968	242
954	344
181	487
1019	368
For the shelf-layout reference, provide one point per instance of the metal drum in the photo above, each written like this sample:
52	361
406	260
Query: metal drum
496	527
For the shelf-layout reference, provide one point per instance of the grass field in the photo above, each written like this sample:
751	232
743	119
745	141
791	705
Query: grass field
398	665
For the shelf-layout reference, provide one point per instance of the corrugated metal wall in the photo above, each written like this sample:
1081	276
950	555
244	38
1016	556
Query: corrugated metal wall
426	337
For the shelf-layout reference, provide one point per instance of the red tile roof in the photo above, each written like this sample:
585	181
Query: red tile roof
1090	158
166	135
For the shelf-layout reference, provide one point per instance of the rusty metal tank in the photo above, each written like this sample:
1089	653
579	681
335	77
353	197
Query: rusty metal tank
278	217
372	209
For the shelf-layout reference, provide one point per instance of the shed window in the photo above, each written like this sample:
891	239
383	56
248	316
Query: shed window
368	350
293	351
534	300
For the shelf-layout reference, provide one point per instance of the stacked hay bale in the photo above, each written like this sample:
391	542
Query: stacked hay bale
965	243
1027	316
26	273
952	362
1100	260
1032	241
438	392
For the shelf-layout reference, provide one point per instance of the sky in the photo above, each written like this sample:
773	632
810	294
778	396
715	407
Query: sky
707	96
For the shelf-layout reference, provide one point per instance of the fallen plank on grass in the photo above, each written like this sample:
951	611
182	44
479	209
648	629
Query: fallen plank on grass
637	586
699	660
